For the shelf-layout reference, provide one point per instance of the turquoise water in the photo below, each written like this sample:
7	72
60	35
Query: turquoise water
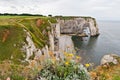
92	49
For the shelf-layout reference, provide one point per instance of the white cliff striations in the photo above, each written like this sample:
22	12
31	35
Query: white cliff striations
65	29
60	36
30	48
78	26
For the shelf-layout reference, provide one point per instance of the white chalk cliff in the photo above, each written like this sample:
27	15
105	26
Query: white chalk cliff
60	36
78	26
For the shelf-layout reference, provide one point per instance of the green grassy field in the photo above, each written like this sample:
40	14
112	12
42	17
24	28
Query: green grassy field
6	17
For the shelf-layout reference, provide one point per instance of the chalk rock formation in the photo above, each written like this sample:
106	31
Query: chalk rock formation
109	58
79	26
60	35
30	48
66	43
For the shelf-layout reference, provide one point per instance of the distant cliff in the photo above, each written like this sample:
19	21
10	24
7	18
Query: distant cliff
79	26
66	27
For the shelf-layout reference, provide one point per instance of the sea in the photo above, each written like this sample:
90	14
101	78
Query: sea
92	49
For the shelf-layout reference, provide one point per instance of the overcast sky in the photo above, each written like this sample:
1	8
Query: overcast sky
100	9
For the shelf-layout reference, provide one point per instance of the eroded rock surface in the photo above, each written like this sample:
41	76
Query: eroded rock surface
109	58
79	26
30	48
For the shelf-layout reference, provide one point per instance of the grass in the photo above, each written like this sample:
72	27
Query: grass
116	77
16	72
7	17
11	46
111	72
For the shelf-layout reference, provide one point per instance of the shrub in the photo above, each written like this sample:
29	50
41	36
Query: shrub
67	69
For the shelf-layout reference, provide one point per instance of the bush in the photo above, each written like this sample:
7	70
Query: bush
67	69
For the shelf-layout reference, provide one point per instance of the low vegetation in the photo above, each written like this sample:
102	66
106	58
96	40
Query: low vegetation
106	72
11	39
8	69
69	68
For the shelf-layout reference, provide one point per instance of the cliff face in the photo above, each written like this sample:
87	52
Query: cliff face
79	26
30	49
63	30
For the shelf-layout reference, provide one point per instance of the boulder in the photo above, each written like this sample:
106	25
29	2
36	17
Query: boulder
109	58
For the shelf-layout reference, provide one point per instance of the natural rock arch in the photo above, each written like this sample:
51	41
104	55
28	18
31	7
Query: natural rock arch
78	26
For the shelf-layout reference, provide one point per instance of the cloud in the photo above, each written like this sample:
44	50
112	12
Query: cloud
101	9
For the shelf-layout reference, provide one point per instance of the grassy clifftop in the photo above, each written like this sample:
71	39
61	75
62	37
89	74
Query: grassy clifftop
12	34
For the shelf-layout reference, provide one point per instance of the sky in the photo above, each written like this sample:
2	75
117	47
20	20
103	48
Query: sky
100	9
